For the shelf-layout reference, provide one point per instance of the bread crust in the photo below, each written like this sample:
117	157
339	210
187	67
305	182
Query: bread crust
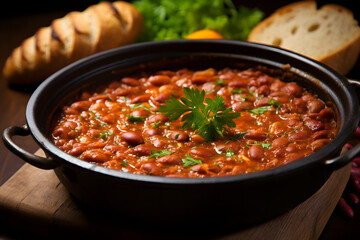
76	35
341	59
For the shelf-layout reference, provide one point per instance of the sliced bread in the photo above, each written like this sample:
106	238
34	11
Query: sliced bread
329	34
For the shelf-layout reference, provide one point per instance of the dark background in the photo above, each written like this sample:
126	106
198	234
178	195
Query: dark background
338	227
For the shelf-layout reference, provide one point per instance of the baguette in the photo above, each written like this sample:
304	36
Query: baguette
76	35
329	34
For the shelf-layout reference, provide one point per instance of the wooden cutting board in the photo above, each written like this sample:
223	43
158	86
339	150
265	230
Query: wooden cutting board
34	200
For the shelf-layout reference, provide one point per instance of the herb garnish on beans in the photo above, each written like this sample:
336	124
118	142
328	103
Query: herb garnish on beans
188	123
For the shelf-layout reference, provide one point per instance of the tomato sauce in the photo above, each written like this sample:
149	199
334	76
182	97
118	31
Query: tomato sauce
119	126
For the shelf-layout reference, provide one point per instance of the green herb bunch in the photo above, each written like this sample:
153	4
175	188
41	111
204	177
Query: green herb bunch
209	119
175	19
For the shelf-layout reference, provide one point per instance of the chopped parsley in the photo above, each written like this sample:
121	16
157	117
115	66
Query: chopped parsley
160	153
189	161
274	103
263	145
105	134
229	153
135	119
259	110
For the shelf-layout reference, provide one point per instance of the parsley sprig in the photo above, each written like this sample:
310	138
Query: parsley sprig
209	119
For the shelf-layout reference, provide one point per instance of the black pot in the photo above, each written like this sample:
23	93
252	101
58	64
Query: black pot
234	200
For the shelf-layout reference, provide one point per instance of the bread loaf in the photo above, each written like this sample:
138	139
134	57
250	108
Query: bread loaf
78	34
329	34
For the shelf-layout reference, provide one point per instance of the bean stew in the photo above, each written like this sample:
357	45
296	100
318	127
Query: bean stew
195	123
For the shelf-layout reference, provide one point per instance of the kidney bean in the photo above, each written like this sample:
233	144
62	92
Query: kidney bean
264	90
139	113
196	138
254	135
162	97
237	170
76	151
130	81
315	106
355	171
151	131
157	118
254	84
262	101
293	89
282	99
202	152
151	169
326	114
81	105
115	148
256	152
300	105
265	79
94	133
320	134
353	198
291	148
206	72
94	156
109	118
314	125
172	159
169	88
298	136
280	142
239	83
240	106
132	138
209	87
234	146
122	92
200	168
69	124
294	122
61	132
159	80
199	80
141	98
345	208
277	85
279	153
159	143
179	136
319	143
294	156
307	97
143	150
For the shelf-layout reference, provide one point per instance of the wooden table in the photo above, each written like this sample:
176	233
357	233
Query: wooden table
13	104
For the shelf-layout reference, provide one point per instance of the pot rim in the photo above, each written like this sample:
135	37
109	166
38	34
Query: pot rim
344	133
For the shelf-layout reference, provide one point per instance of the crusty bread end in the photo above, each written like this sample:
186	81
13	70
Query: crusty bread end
100	27
329	34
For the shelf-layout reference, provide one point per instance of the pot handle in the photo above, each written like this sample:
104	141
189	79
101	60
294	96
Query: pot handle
40	162
343	158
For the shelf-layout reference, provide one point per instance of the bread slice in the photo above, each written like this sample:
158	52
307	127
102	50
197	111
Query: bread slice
329	34
100	27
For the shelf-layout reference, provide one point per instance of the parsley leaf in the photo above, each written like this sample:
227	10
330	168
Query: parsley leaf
189	161
263	145
274	103
229	153
161	153
135	119
209	119
105	134
259	110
